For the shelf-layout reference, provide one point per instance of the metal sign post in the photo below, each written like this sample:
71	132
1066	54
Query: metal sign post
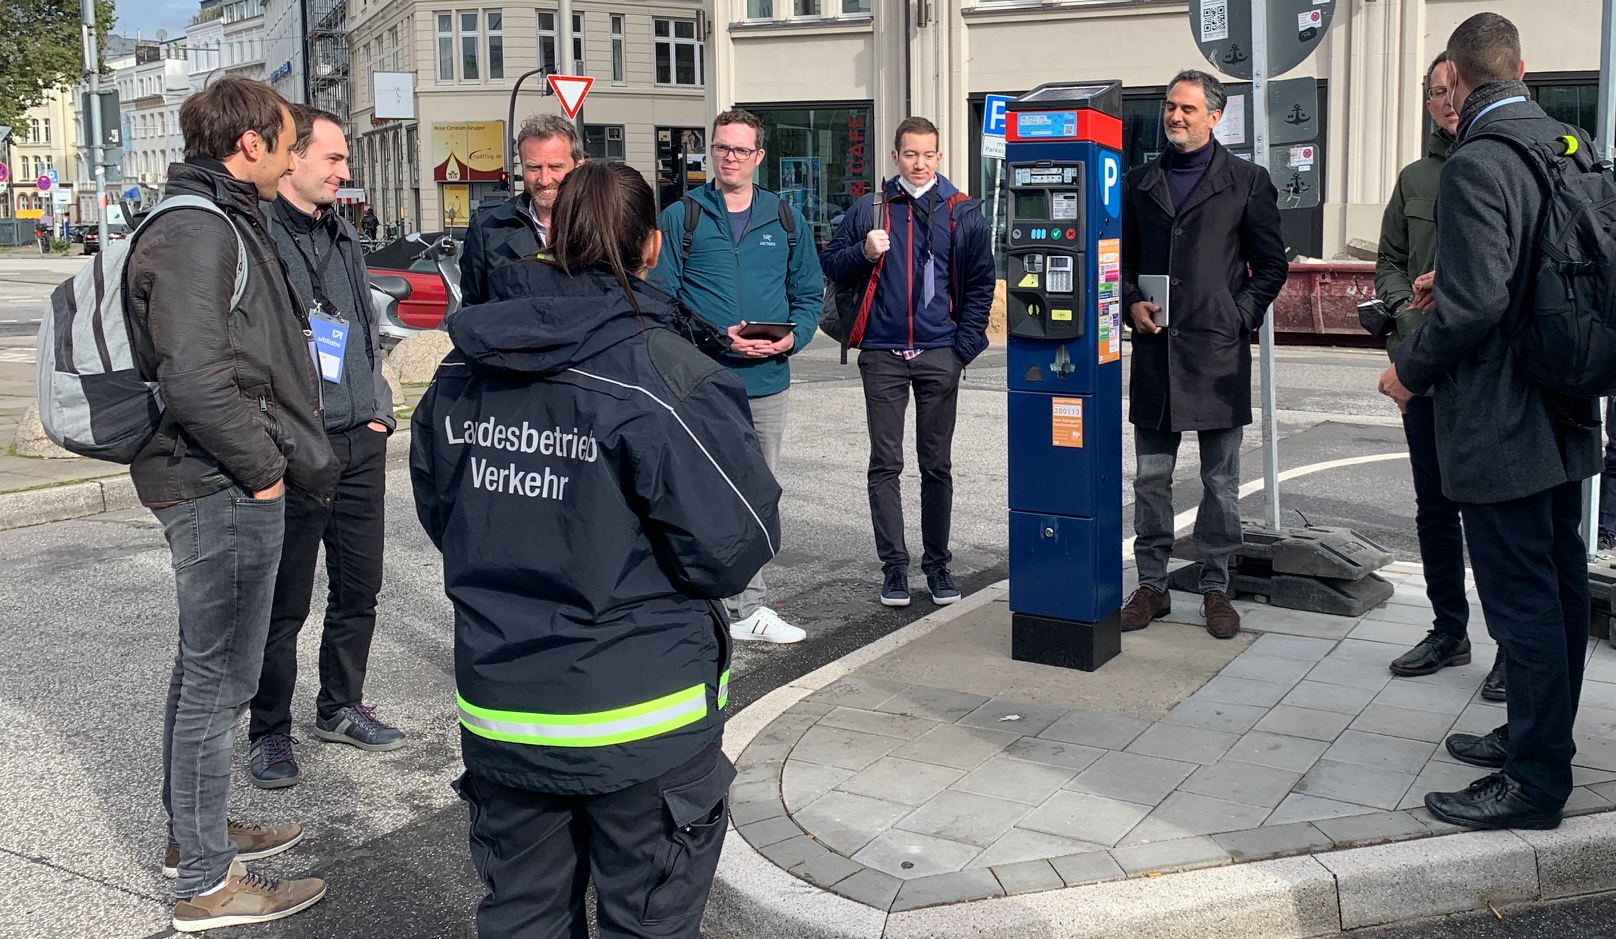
1270	396
1606	130
92	65
993	130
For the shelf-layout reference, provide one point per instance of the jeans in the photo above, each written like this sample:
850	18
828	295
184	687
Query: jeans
225	549
651	849
1436	520
353	528
1607	479
1532	574
1217	524
934	375
769	421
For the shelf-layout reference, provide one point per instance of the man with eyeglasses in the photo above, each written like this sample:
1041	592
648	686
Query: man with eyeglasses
517	228
930	257
1403	276
737	255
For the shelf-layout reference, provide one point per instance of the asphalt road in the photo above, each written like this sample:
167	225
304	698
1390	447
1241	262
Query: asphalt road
1584	918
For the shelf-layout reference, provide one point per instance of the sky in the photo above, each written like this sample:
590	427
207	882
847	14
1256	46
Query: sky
148	16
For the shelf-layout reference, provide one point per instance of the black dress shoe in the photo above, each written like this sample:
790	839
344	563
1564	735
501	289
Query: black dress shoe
1434	653
1490	751
1494	801
1493	688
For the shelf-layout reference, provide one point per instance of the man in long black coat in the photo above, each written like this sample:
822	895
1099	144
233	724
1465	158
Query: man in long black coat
1209	221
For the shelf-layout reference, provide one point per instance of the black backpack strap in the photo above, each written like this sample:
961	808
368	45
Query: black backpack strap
692	219
789	224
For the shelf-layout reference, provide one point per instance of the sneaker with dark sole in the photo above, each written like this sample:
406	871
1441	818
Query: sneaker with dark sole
253	843
358	726
247	897
941	585
895	588
274	766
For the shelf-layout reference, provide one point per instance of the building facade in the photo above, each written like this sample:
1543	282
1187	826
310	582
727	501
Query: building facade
151	84
832	78
43	143
648	105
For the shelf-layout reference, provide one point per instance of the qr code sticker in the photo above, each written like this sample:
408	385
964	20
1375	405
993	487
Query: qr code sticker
1214	20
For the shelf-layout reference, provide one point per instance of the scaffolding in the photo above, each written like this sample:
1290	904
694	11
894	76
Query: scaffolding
326	55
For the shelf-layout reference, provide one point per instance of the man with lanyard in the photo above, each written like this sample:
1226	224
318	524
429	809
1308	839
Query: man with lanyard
517	228
325	264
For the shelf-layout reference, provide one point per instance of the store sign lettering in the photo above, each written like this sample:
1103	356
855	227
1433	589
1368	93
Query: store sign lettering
856	165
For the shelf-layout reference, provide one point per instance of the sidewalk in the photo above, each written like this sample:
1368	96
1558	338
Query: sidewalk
931	771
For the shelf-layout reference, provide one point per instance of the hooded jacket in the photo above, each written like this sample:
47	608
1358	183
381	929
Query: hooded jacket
241	401
962	249
499	235
596	487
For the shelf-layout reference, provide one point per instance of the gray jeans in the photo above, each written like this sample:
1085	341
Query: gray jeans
769	420
226	548
1217	523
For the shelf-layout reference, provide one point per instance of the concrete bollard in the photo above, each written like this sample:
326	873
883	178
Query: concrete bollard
31	439
416	357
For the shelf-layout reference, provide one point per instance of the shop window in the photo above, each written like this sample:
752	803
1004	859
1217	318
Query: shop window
1574	103
820	160
604	142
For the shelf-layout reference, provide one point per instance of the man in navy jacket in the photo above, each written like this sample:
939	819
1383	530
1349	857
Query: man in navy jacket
926	318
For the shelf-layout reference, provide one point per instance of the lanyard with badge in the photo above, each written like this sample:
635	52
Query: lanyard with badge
329	328
930	268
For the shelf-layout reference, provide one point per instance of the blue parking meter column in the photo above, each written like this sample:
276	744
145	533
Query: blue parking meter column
1064	318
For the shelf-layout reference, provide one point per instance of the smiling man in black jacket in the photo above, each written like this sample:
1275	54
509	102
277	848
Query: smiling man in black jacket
241	425
1512	454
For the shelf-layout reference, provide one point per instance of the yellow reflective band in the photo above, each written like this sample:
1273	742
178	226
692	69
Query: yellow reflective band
1571	144
723	689
599	729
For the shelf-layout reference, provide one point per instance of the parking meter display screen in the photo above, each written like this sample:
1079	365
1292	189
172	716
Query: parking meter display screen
1031	205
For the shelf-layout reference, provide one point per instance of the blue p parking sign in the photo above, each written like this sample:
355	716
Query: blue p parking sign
993	122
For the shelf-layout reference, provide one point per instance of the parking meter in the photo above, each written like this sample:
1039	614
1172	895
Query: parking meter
1063	146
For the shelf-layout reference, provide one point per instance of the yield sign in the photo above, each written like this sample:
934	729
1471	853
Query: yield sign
571	90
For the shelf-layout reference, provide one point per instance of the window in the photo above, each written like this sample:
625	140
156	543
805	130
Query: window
47	130
806	7
678	53
855	6
446	47
821	160
468	46
398	50
578	44
1575	103
33	131
496	44
617	48
760	9
547	41
604	142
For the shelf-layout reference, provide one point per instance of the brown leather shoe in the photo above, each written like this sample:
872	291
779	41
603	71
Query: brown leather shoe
1145	605
247	897
1221	619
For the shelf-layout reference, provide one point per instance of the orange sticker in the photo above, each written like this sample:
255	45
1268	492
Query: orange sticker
1066	418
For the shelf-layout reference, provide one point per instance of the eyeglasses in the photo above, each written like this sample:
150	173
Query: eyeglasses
1435	92
739	153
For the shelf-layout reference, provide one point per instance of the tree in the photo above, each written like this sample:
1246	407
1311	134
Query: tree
42	50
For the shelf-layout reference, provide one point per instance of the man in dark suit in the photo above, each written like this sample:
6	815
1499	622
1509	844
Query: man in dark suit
1512	454
1210	222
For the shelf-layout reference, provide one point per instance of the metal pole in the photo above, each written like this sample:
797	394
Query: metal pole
1606	134
512	158
92	64
998	183
565	63
1270	397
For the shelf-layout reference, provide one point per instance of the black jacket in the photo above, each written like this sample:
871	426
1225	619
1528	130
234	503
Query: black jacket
1498	436
1226	256
240	396
595	486
498	235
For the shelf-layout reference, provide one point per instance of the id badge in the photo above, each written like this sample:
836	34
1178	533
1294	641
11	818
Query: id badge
330	344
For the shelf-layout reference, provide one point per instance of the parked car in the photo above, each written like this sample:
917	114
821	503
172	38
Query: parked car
428	296
90	235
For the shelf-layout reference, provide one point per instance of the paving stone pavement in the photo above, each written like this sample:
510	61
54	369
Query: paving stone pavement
901	796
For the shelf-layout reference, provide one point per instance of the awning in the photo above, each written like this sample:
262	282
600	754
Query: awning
349	195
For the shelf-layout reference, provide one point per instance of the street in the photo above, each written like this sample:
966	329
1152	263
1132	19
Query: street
87	631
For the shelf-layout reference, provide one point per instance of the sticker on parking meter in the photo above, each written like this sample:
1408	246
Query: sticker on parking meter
1109	307
1066	420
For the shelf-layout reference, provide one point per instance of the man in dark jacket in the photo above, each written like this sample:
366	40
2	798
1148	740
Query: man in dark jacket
1512	454
932	263
549	148
327	269
1407	255
1209	222
241	426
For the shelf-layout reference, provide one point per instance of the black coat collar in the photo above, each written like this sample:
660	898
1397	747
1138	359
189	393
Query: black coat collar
1217	178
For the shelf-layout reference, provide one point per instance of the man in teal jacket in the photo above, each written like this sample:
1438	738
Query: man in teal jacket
743	265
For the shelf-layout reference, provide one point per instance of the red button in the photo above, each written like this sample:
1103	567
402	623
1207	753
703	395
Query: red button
1071	233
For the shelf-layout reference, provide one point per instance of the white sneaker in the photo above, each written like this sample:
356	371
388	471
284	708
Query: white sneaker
765	626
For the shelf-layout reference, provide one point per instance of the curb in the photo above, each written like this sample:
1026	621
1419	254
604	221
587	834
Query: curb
1298	897
23	508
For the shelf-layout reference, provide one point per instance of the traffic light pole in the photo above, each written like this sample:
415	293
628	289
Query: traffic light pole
92	65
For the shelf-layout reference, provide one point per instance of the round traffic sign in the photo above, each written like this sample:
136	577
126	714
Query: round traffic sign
44	183
1222	31
5	172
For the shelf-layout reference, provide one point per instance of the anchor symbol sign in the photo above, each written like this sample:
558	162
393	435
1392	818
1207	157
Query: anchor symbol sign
1234	54
1296	186
1296	115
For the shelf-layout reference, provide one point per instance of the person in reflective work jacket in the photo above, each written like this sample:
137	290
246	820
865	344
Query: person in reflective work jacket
596	488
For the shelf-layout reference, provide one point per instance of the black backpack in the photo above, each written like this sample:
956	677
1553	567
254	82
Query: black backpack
1565	340
702	334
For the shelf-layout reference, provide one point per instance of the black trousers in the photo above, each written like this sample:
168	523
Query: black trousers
1532	573
353	529
1438	524
934	375
651	850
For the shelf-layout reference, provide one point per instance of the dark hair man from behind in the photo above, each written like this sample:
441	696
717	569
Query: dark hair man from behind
594	484
241	425
1512	453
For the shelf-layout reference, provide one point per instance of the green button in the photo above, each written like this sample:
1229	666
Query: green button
1055	233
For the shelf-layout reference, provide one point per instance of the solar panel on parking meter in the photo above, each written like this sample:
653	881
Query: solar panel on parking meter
1222	31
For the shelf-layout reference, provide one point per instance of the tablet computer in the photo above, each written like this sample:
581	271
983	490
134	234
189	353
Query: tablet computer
774	332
